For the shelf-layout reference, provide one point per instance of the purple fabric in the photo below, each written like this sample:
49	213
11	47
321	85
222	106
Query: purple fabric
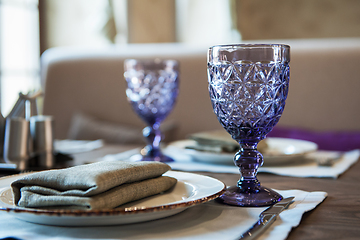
329	140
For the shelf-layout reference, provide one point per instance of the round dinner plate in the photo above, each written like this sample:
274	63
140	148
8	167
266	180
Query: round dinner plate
190	190
279	151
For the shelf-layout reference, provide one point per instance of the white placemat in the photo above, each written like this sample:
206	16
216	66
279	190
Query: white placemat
312	169
206	221
185	162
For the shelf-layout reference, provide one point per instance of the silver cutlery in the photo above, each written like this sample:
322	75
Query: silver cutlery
7	166
329	161
266	218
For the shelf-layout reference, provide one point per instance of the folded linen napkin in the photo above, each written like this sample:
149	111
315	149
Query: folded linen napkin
107	184
217	141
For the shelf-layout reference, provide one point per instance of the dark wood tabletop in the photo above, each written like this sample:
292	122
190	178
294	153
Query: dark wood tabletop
338	217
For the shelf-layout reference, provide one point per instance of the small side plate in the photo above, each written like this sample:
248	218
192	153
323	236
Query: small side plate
279	151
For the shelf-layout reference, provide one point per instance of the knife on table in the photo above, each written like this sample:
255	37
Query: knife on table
267	217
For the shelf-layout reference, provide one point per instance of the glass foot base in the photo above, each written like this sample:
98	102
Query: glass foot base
162	158
234	196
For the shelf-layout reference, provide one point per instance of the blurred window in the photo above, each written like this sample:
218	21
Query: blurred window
206	22
19	50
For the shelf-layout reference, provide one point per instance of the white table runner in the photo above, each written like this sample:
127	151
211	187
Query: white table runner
206	221
185	162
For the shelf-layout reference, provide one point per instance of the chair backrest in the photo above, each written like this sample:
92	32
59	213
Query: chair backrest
323	91
92	82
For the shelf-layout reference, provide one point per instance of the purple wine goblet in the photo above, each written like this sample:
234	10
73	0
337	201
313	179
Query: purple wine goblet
248	85
152	89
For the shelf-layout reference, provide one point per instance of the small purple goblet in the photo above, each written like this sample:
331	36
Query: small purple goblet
152	89
248	86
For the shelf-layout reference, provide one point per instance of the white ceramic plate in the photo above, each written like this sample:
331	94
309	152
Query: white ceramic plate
279	151
191	189
68	146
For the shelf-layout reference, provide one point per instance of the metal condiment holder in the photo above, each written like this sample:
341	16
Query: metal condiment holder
26	136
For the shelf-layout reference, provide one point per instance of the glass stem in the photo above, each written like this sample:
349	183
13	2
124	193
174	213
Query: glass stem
153	137
248	159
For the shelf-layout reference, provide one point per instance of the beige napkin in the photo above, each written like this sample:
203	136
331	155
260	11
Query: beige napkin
217	141
100	185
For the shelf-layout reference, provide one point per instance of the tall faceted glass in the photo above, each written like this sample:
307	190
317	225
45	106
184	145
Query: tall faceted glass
248	85
152	89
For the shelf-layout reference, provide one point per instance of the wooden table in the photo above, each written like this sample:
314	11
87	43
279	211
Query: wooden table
338	217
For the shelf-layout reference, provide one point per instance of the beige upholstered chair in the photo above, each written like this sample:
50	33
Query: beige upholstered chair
90	81
323	92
